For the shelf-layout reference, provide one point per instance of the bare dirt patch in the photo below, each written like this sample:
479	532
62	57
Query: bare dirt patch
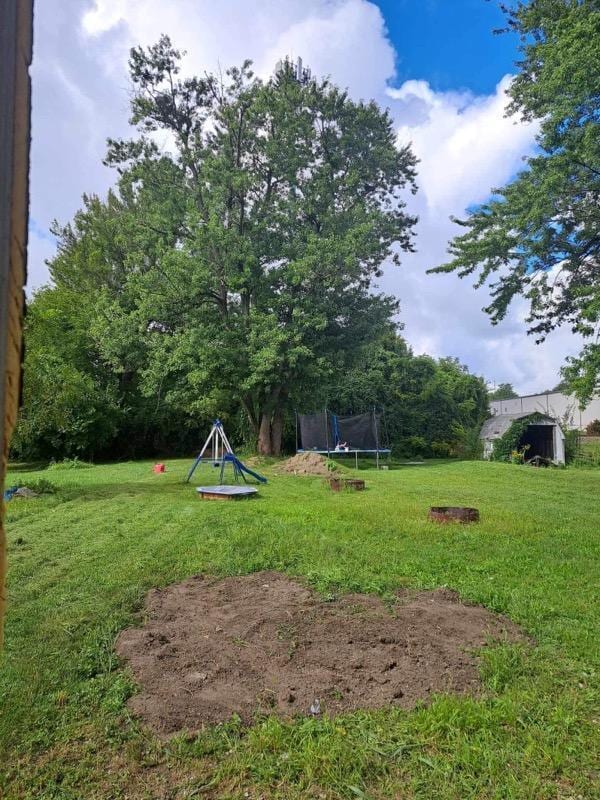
305	464
263	642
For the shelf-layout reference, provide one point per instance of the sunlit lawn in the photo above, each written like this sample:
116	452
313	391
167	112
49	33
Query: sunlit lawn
81	560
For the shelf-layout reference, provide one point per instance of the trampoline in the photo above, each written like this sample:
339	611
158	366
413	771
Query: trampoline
332	435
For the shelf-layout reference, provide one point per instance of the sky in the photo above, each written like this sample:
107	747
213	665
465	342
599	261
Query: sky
437	66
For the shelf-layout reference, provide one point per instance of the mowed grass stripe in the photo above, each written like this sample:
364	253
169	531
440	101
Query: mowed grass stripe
82	559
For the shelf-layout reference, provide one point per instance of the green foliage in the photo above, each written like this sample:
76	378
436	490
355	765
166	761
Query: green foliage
469	444
232	277
70	463
432	407
42	486
506	448
588	455
70	399
572	444
593	429
234	272
226	277
37	485
82	560
539	235
504	391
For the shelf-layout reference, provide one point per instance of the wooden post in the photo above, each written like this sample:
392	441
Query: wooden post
15	57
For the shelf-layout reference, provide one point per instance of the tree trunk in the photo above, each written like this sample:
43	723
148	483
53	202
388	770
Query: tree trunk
270	428
276	432
264	435
270	433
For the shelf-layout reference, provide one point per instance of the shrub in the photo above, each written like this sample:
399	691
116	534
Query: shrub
593	429
416	446
70	463
518	456
572	445
41	486
469	444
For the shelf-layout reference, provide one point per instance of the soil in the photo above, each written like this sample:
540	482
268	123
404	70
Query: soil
306	464
266	643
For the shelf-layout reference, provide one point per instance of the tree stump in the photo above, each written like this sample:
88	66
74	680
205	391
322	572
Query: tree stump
453	514
337	484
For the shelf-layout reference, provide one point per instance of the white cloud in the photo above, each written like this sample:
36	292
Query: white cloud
325	33
466	145
346	41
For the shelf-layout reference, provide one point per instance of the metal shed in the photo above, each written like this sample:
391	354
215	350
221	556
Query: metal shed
544	435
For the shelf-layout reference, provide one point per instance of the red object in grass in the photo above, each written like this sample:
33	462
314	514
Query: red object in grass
158	468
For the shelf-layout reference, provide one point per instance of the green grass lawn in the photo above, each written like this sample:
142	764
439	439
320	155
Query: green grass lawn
82	559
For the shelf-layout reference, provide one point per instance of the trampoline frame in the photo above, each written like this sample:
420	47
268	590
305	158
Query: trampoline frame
386	451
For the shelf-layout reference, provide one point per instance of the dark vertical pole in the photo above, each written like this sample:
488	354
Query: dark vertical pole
296	413
386	433
327	430
376	437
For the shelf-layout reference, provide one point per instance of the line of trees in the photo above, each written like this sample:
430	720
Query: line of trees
231	274
77	404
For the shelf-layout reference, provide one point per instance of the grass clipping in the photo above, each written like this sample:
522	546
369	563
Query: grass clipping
307	464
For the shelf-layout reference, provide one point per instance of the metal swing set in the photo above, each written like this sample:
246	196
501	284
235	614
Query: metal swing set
218	451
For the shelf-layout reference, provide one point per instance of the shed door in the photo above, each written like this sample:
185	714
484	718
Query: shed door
540	439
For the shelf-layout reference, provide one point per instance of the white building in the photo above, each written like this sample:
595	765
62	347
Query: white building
559	406
543	437
302	74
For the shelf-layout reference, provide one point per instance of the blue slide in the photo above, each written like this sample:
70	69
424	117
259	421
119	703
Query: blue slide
243	468
239	469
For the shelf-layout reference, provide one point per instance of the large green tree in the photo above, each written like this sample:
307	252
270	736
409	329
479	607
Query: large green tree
539	236
504	391
241	258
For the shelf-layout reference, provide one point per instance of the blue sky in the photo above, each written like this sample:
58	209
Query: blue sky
450	43
436	64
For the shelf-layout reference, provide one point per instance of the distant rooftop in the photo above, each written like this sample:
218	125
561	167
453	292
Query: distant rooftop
558	404
497	425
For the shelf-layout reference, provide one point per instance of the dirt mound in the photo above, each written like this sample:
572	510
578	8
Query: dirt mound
264	642
306	464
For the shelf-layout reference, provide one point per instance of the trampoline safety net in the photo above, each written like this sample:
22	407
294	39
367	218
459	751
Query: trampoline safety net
316	431
323	431
359	432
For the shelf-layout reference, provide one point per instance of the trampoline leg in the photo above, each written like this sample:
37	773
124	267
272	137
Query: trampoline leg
356	458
